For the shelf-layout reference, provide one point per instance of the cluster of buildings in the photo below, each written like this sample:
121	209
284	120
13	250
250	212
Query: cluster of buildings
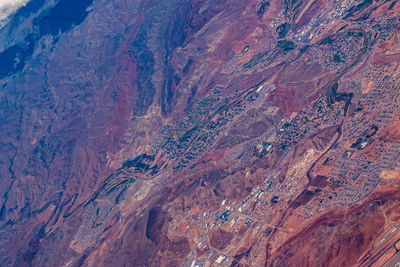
188	139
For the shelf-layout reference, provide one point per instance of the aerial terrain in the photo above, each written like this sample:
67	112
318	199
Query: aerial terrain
200	133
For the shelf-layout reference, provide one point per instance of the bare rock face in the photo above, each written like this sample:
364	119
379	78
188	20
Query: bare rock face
200	133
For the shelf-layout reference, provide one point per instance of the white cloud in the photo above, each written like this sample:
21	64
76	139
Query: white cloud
9	7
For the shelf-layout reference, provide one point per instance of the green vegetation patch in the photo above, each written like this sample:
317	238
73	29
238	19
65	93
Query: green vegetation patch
327	40
342	28
282	30
309	192
356	143
356	34
337	58
392	5
285	45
